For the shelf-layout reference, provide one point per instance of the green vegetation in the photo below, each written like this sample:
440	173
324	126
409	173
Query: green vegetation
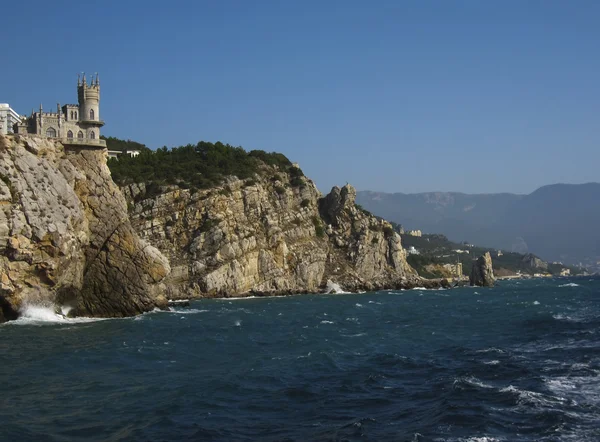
319	229
113	143
200	166
363	210
437	249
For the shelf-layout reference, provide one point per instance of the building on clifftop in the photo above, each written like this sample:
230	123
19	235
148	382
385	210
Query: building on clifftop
8	118
73	124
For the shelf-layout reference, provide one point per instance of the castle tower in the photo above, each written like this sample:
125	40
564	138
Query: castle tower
89	106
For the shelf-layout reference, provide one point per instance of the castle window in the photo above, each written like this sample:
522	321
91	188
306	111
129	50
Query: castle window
70	134
80	135
51	132
75	114
71	115
91	114
92	135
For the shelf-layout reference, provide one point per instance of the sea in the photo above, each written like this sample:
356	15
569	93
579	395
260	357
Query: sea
517	362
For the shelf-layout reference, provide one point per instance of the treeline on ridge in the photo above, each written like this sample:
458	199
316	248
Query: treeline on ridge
198	166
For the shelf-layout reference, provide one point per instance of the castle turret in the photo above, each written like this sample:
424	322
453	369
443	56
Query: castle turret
89	106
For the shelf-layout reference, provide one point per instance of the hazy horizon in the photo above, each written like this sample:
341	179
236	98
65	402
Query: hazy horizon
398	97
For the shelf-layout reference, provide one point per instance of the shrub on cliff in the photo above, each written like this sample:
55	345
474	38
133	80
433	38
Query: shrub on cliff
199	166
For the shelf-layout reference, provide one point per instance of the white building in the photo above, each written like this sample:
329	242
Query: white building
412	251
8	118
116	153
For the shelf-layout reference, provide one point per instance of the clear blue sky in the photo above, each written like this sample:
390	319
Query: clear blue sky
397	96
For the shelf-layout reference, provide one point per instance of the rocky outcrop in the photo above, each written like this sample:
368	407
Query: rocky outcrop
65	235
267	236
534	263
482	274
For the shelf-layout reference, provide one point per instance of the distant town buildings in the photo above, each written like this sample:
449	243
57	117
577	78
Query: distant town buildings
8	118
414	233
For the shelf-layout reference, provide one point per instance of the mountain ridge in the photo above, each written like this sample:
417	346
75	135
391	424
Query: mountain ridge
556	221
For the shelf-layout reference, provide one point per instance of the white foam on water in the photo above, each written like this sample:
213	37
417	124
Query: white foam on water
334	288
43	314
526	397
472	381
570	284
493	362
238	323
536	303
490	350
327	322
185	311
481	439
582	389
359	305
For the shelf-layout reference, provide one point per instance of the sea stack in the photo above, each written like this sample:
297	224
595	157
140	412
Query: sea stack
482	274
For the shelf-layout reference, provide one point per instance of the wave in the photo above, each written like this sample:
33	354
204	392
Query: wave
490	350
471	381
327	322
527	397
185	311
333	288
570	284
42	314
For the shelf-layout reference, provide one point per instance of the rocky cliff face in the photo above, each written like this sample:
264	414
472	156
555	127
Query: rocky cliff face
535	263
482	273
265	236
65	235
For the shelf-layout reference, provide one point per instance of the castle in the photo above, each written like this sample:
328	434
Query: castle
77	124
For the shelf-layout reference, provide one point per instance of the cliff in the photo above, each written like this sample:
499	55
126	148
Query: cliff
65	236
267	235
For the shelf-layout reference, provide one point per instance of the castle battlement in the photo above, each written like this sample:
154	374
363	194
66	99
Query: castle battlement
74	124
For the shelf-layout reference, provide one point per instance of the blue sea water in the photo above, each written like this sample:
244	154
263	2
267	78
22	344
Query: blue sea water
519	362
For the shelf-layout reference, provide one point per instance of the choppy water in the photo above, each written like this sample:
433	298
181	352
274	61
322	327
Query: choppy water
520	362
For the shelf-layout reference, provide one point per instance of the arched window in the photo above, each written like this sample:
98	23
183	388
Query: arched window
92	135
75	114
69	134
71	115
91	114
80	135
51	132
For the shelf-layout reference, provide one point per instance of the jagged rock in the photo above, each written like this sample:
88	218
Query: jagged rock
251	238
65	234
482	274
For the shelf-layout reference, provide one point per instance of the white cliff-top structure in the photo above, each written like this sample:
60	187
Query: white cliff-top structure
8	118
73	124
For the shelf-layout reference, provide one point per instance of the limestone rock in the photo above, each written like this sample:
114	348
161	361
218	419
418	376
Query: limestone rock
534	262
66	237
482	274
249	237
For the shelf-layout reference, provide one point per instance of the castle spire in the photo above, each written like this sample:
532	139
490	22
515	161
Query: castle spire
97	79
84	82
78	79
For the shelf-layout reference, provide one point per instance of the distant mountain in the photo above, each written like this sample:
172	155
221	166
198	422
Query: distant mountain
560	222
